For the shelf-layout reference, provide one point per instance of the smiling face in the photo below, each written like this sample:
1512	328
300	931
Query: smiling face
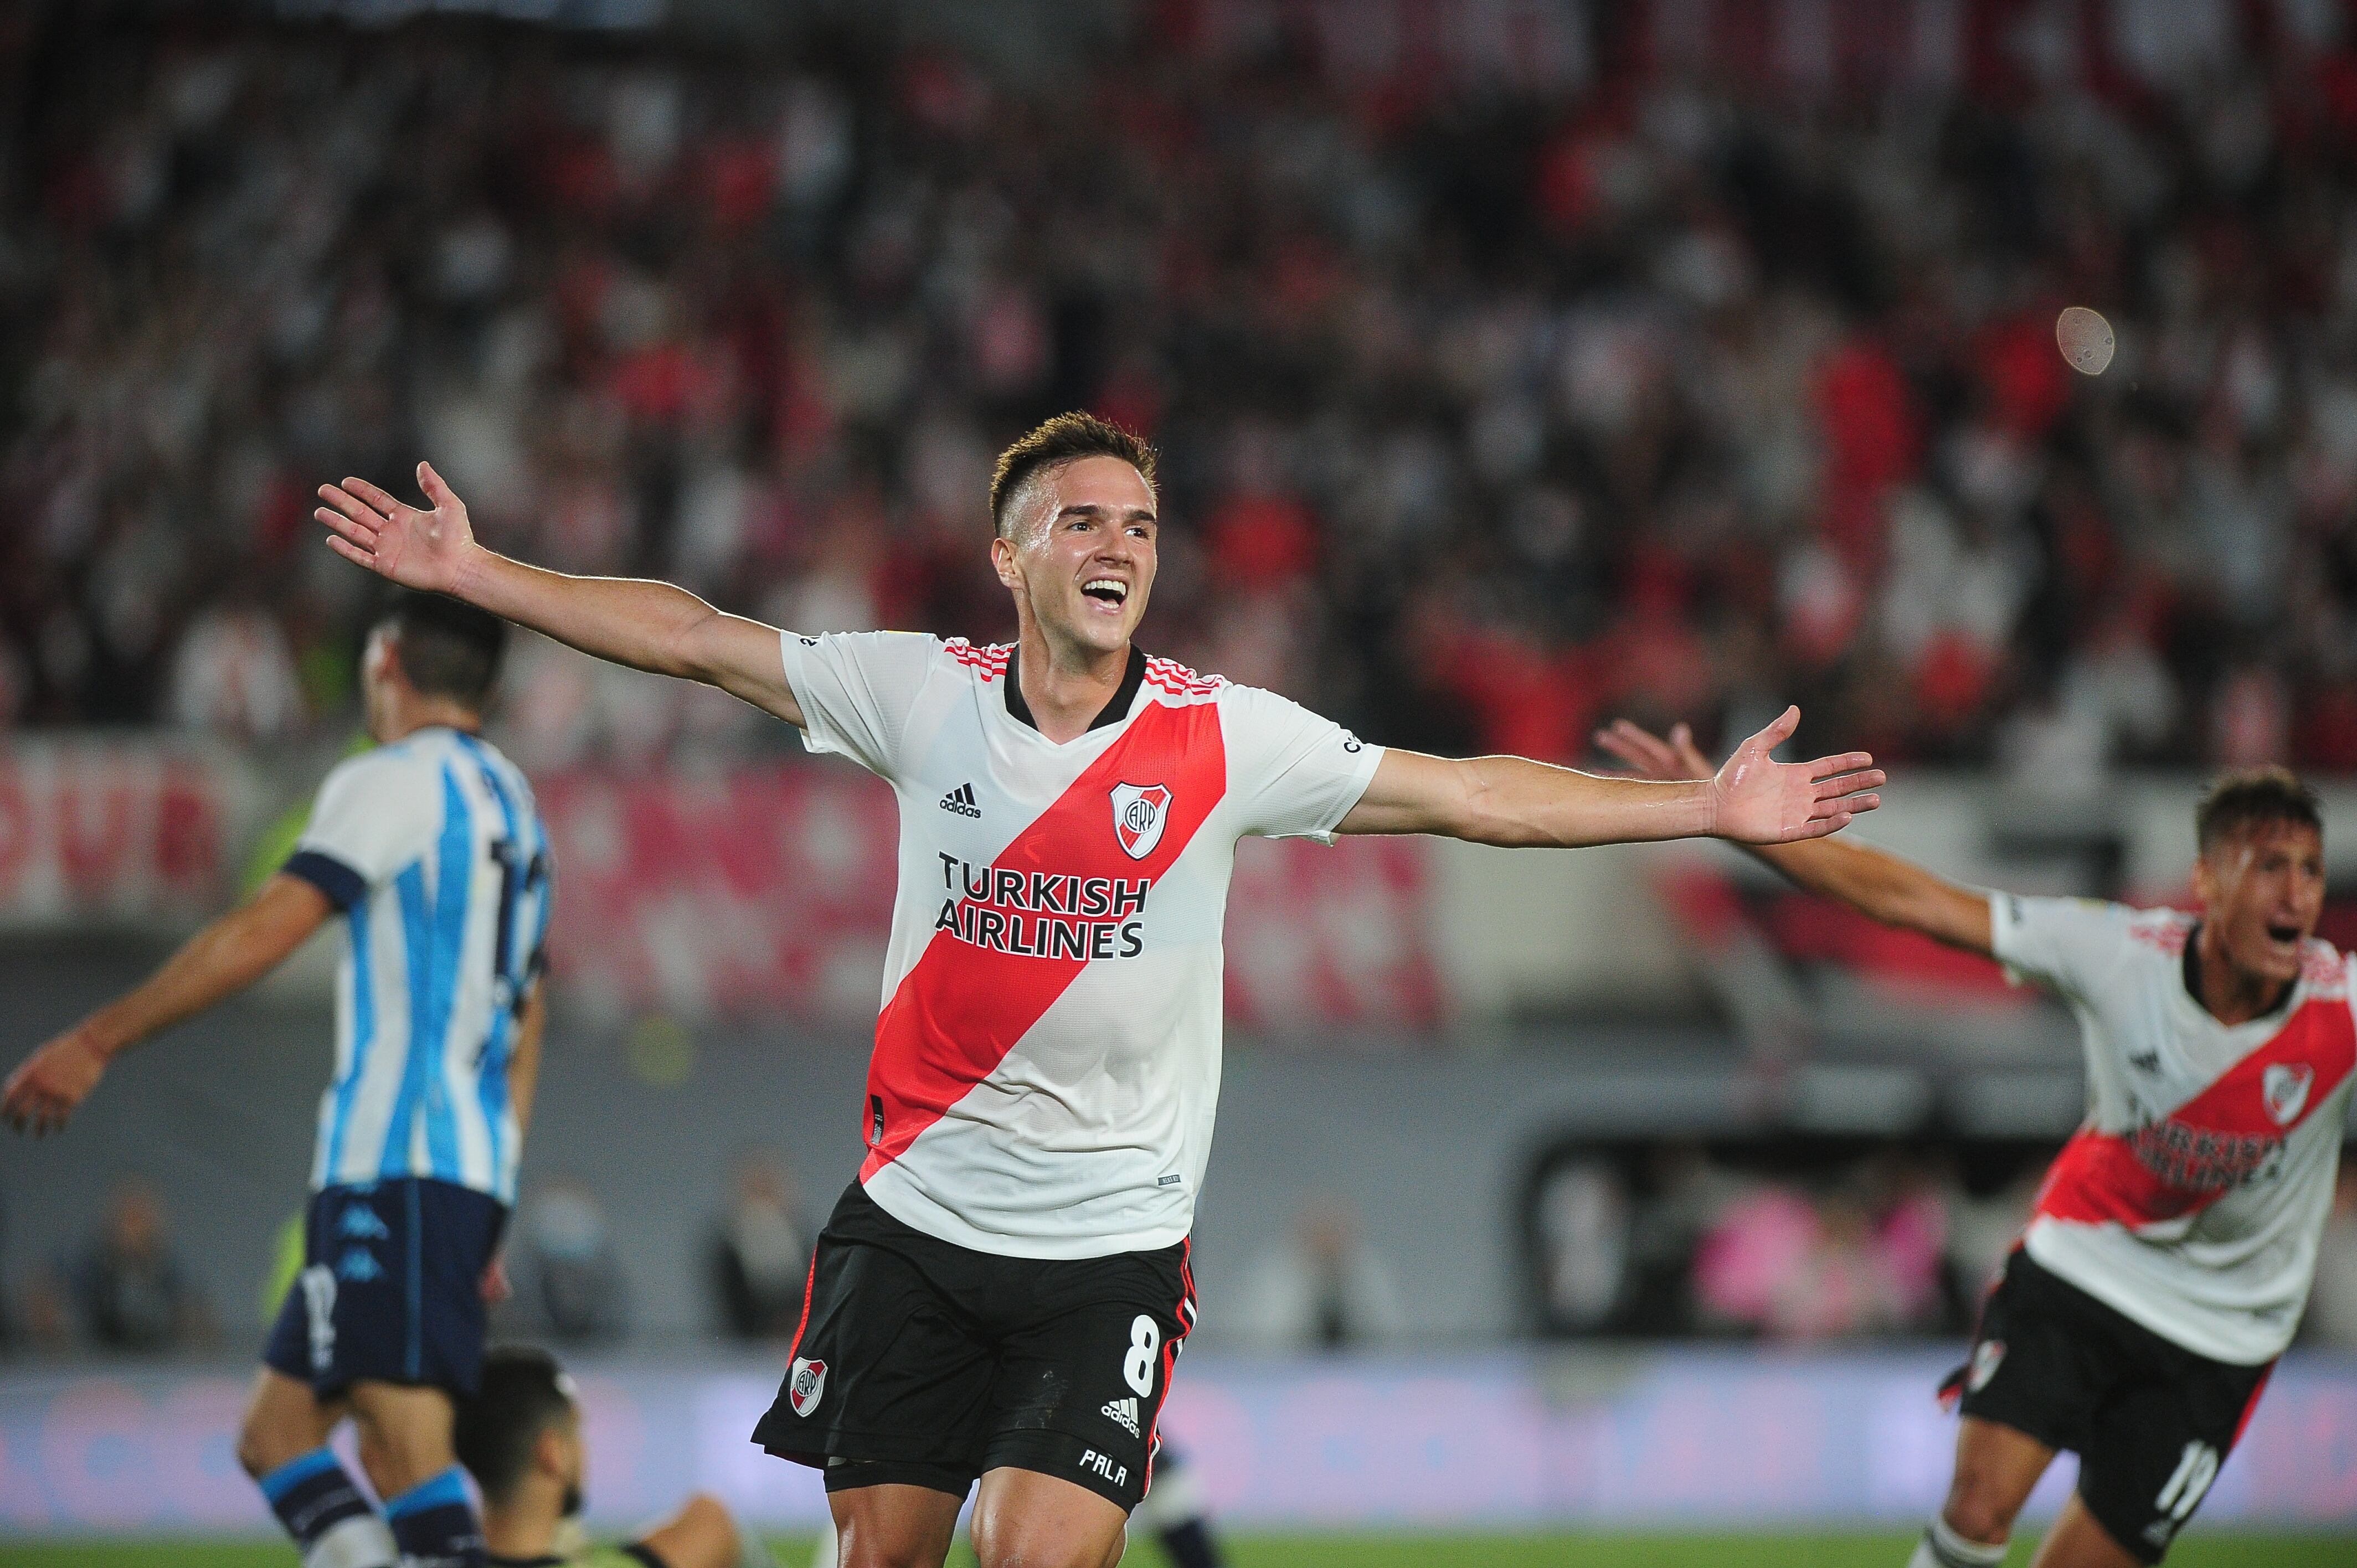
2261	888
1079	553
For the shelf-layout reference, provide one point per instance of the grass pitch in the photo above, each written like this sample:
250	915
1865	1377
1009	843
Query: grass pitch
2199	1549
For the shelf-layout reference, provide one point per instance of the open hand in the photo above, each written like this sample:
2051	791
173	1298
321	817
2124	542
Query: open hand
51	1083
1755	798
1672	760
428	550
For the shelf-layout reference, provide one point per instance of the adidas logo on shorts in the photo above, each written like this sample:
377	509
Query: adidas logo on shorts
961	800
1124	1414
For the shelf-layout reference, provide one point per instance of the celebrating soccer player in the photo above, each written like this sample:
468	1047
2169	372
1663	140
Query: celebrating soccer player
2172	1245
1003	1292
432	850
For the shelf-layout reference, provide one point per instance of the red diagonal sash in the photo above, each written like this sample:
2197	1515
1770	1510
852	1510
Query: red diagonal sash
2222	1133
960	1008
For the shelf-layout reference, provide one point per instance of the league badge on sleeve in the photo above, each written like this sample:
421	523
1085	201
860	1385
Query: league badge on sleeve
1139	812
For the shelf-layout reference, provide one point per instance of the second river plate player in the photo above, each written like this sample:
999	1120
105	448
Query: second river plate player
1003	1292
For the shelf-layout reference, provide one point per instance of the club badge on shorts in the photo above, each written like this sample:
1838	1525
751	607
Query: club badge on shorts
1139	812
808	1382
1987	1357
2285	1090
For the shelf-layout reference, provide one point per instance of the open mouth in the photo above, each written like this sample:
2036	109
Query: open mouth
1109	590
2282	935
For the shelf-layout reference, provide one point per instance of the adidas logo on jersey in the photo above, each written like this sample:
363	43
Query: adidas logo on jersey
961	800
1124	1414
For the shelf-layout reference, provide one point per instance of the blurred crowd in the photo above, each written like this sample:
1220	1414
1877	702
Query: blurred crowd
1803	1239
127	1289
1808	1239
1489	407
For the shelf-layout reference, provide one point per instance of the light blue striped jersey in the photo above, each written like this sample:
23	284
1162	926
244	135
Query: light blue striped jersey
433	849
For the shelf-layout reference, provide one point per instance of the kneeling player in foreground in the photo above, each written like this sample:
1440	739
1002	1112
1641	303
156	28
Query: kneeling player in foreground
520	1436
2173	1242
1003	1292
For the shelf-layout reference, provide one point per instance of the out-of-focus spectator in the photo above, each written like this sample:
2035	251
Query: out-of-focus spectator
1681	1191
1324	1288
2332	1300
128	1290
761	1252
565	1274
234	673
1865	1254
1791	1238
1581	1215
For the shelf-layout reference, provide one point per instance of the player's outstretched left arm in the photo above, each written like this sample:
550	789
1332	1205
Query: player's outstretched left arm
1514	801
643	624
225	957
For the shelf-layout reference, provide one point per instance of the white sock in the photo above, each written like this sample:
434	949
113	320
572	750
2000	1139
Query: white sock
1943	1548
365	1542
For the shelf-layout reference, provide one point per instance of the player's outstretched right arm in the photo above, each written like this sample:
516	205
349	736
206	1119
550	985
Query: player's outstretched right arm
227	956
645	625
1874	882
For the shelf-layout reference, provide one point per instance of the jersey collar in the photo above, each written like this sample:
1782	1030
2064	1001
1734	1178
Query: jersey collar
2192	965
1113	713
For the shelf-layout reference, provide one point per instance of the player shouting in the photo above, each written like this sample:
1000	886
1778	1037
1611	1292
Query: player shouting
2171	1247
432	850
1003	1292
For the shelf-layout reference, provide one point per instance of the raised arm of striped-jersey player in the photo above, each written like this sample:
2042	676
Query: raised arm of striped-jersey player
1514	801
1874	882
232	952
627	620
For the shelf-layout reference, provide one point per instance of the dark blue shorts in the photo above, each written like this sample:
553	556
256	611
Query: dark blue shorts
391	1290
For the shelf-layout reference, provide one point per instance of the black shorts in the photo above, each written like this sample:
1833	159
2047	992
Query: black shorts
922	1363
392	1287
2151	1421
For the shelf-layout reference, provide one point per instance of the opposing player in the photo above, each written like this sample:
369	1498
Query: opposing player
431	849
1003	1292
2172	1245
519	1435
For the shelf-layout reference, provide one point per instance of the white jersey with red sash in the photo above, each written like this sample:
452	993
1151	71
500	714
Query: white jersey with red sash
2192	1196
1047	1056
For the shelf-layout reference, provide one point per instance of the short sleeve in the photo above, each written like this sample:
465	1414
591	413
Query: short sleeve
856	689
1295	774
2067	943
367	823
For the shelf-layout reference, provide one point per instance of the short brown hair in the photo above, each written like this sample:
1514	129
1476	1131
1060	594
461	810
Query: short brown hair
522	1395
2251	798
1067	438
